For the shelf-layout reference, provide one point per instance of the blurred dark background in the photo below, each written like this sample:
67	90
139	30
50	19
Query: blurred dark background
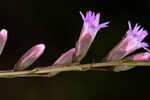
57	23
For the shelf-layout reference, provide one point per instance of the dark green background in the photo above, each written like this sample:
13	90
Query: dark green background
57	23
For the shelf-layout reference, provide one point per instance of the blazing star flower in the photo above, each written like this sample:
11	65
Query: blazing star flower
29	57
3	39
89	30
131	42
135	37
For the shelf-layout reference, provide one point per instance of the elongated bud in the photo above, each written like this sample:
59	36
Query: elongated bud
3	39
29	57
66	58
143	56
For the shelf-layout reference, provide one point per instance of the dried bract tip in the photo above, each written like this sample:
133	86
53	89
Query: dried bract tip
122	68
3	39
29	57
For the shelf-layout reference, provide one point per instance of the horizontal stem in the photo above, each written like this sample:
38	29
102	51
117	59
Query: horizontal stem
53	70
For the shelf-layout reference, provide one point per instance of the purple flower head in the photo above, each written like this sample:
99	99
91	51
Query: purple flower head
89	30
135	37
90	27
91	23
131	42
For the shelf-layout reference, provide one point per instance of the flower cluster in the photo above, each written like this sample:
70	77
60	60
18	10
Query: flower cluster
132	41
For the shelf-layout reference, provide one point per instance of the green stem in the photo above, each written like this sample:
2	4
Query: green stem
53	70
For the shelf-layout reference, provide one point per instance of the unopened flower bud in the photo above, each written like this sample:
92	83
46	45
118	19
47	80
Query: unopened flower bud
66	58
143	56
3	39
29	57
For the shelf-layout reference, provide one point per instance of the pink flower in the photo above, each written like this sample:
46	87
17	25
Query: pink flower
89	30
131	42
134	38
3	39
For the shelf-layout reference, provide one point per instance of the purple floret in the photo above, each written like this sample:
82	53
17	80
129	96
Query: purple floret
91	23
137	35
